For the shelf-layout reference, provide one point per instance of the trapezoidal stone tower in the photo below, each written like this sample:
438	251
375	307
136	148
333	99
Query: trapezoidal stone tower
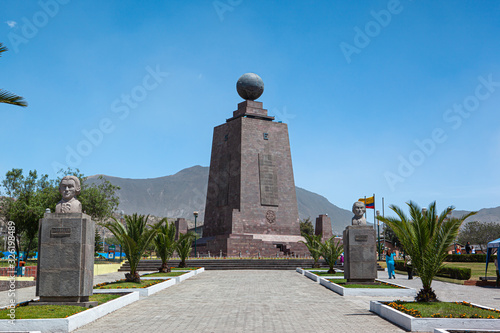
251	205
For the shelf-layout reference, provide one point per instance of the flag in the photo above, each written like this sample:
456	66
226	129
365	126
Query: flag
369	202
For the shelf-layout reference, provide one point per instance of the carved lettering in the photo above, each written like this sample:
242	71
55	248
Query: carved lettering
361	238
60	232
268	181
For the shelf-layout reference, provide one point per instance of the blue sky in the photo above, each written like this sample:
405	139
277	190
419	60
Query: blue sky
396	98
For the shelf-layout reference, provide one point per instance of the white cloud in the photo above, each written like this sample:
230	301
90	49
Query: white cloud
11	24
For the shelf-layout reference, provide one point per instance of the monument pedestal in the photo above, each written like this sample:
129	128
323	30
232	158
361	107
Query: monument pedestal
65	271
360	262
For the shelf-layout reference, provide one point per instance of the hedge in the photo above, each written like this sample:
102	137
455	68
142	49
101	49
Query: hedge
457	273
469	258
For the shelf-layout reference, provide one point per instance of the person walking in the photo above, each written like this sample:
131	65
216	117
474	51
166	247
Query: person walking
498	273
409	268
389	260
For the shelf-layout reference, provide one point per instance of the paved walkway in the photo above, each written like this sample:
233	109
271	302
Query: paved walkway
258	301
244	301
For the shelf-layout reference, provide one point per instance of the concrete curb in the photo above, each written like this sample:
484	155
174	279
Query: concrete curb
400	292
145	292
71	323
440	330
388	292
428	324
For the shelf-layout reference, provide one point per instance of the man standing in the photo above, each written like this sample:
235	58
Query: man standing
467	248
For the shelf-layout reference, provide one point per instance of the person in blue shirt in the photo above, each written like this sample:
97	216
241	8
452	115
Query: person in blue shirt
389	260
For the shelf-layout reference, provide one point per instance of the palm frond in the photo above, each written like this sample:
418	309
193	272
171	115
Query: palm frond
2	49
9	98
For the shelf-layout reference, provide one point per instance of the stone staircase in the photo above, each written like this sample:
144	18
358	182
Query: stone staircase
230	264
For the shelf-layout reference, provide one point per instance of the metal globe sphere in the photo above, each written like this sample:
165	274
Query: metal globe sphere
250	86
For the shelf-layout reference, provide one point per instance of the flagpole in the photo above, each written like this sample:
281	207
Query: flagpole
365	207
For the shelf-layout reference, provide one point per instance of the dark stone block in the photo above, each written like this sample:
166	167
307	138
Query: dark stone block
66	257
360	262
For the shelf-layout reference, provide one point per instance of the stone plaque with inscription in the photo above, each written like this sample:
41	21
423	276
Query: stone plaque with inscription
268	181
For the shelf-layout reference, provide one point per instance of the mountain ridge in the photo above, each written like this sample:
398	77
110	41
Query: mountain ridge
184	192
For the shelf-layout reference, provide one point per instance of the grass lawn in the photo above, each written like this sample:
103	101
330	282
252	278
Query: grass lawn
121	284
342	282
477	270
443	309
164	274
54	311
325	273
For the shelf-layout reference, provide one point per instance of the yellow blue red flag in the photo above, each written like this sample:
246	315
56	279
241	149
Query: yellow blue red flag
369	202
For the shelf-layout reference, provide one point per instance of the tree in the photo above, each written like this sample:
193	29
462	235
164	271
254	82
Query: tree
313	243
7	97
165	244
331	250
134	238
98	245
184	246
98	200
479	233
426	238
306	227
26	199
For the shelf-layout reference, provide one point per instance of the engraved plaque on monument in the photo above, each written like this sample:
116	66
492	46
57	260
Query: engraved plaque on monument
268	181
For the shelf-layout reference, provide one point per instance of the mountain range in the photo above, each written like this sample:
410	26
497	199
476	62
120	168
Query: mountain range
181	194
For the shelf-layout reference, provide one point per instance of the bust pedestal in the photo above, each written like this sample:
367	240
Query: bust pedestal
360	263
65	271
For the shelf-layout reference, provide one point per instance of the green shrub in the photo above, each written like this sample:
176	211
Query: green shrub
399	265
469	258
458	273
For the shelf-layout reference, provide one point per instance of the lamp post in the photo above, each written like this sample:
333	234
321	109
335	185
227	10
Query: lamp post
378	235
121	221
195	240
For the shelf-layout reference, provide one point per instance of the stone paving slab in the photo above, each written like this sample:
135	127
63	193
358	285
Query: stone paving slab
244	301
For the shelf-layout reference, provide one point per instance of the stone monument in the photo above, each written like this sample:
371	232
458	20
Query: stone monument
360	256
323	227
251	202
65	271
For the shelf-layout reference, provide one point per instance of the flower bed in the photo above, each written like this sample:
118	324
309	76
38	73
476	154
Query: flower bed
413	317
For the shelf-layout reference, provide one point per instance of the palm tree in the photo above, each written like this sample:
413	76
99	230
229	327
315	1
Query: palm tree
7	97
331	250
184	246
313	243
165	244
426	237
135	237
